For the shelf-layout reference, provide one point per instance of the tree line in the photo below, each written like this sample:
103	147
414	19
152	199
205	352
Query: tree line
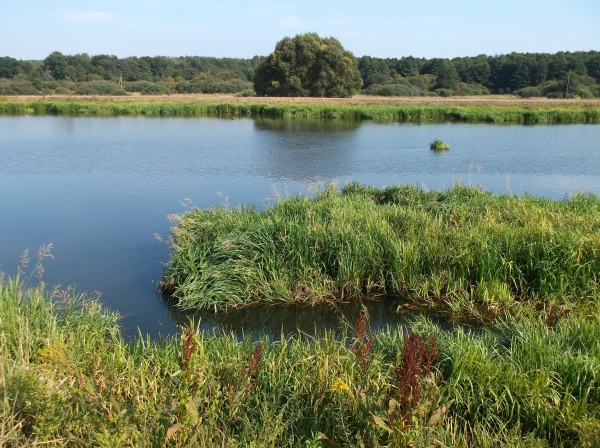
525	74
519	73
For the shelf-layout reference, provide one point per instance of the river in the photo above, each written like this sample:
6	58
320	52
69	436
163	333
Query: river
100	190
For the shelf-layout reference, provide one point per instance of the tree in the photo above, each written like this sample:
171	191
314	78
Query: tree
447	76
9	67
56	64
308	65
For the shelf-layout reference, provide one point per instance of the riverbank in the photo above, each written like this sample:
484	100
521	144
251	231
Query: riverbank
470	109
462	251
67	378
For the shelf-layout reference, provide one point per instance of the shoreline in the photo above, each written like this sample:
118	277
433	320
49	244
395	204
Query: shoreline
466	109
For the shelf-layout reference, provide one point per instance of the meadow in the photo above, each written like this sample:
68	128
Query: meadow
516	111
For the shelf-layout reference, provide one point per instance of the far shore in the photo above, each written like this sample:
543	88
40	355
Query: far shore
496	100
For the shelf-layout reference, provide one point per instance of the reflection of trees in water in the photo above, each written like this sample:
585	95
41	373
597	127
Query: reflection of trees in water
304	126
305	150
276	320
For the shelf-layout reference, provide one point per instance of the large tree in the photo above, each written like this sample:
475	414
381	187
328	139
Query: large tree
308	65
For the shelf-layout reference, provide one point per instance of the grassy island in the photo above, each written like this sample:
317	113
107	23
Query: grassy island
67	378
353	109
463	250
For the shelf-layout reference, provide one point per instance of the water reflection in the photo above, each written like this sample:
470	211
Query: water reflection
305	150
277	321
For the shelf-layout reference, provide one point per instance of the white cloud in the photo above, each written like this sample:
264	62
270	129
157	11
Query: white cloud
292	22
91	17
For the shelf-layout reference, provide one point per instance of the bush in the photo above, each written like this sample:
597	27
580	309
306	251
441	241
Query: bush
21	87
392	90
443	92
99	88
246	92
62	91
470	89
529	92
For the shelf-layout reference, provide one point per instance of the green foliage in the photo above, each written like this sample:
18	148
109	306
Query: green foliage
465	249
447	76
246	93
99	88
499	74
68	378
473	113
438	145
394	89
308	65
529	92
470	89
444	92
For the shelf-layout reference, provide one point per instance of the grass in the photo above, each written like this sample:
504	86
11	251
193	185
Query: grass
257	107
67	378
462	250
438	145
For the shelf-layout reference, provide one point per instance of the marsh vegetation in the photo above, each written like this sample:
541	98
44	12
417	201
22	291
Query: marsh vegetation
404	112
463	249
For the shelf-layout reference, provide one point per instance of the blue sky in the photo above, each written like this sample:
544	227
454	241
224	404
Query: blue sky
31	29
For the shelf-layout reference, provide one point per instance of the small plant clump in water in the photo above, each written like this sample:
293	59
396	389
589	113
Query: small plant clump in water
438	145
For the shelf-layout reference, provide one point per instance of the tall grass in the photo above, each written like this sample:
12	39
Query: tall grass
400	112
463	249
67	378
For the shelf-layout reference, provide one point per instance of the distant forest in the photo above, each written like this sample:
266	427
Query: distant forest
523	74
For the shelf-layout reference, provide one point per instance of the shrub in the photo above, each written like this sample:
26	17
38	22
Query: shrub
99	88
529	92
20	87
246	92
393	90
443	92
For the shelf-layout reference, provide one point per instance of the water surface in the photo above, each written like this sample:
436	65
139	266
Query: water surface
99	189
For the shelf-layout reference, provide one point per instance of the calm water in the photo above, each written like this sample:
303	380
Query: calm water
99	189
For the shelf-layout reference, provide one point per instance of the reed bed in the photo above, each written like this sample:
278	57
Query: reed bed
67	378
462	250
476	113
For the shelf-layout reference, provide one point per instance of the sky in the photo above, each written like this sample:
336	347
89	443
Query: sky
32	29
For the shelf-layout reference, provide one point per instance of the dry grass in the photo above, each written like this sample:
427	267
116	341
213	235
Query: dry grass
496	100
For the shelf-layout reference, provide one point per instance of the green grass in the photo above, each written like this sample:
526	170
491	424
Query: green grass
67	378
401	112
462	250
438	145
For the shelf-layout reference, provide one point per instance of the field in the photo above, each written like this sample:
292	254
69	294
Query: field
498	109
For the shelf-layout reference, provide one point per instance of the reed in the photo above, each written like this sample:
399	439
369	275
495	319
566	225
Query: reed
462	250
67	378
476	113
